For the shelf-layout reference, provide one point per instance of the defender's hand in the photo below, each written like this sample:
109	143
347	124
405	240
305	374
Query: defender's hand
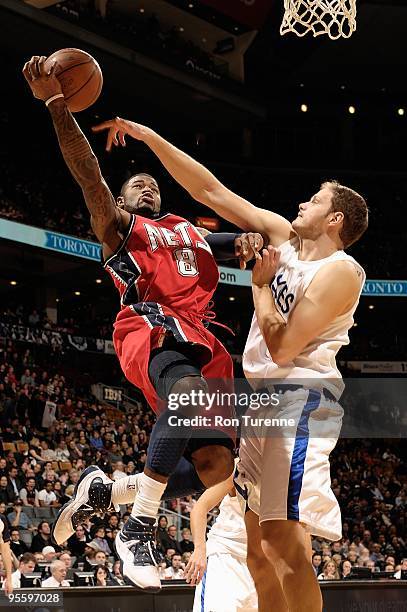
195	567
44	84
247	246
265	267
117	130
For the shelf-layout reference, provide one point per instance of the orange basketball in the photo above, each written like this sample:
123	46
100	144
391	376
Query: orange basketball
80	76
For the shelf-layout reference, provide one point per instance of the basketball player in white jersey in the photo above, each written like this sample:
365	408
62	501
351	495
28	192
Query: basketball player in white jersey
218	566
304	296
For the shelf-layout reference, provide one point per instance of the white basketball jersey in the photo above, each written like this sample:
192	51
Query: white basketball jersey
317	359
228	533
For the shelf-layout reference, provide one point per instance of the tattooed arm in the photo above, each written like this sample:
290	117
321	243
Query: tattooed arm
107	219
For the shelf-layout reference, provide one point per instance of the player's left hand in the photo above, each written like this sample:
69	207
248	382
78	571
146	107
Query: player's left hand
265	267
195	567
247	246
43	83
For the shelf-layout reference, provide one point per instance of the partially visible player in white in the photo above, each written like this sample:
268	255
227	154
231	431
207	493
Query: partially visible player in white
305	295
218	565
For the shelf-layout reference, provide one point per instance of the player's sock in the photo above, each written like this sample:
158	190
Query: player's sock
148	497
184	481
124	490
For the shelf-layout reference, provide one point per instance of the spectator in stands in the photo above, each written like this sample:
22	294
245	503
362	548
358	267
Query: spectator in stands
175	571
7	494
49	554
18	518
168	556
58	575
66	558
17	546
86	562
42	538
47	497
117	573
118	471
78	543
29	494
329	572
403	567
47	453
99	539
100	557
61	451
101	576
346	569
15	480
168	540
95	440
26	565
316	562
186	544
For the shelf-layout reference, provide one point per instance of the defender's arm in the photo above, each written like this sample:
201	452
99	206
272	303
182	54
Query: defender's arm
201	184
199	516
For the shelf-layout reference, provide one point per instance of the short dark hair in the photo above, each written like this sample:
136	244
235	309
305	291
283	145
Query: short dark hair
27	557
354	208
123	187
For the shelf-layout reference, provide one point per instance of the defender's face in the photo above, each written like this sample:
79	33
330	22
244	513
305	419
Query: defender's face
142	196
313	216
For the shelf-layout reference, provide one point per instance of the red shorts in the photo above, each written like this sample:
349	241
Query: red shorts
141	328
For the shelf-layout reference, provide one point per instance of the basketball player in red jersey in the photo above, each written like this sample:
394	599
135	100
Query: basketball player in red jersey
166	274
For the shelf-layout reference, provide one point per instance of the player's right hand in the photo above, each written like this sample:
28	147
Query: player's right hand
117	130
43	83
196	567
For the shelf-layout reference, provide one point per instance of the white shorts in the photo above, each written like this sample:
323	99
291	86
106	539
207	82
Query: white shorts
226	586
285	474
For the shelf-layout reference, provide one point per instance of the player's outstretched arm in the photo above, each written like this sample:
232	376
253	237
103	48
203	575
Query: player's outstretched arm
200	183
77	152
332	292
196	565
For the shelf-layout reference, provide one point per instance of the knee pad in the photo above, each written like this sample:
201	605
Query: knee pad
168	367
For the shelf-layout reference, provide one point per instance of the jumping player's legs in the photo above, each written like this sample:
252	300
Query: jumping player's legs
268	586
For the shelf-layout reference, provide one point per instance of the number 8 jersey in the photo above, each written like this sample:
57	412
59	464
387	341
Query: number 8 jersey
164	260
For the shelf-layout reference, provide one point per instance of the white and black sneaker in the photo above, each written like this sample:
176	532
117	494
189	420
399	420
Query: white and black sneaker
92	495
139	558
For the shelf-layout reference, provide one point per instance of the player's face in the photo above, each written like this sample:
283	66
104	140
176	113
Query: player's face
142	196
314	216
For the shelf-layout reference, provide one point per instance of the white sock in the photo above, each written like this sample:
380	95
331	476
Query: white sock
124	490
148	496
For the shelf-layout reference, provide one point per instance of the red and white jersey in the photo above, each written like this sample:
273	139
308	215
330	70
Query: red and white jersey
164	260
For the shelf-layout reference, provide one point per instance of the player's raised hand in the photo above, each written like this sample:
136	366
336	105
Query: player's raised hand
196	566
43	83
247	246
118	128
265	267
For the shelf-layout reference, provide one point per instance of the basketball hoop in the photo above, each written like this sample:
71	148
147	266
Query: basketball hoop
336	18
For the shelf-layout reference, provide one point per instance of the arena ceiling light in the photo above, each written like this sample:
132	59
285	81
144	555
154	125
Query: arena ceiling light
371	306
401	111
77	292
304	108
13	283
232	298
98	281
352	110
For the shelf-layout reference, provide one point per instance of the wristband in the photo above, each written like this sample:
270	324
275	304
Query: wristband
52	98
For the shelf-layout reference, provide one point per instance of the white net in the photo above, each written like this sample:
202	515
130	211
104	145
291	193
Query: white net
336	18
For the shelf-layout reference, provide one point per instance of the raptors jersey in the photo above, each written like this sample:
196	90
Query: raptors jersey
317	359
164	260
228	533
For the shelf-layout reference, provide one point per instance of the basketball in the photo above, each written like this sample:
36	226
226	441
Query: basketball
80	76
